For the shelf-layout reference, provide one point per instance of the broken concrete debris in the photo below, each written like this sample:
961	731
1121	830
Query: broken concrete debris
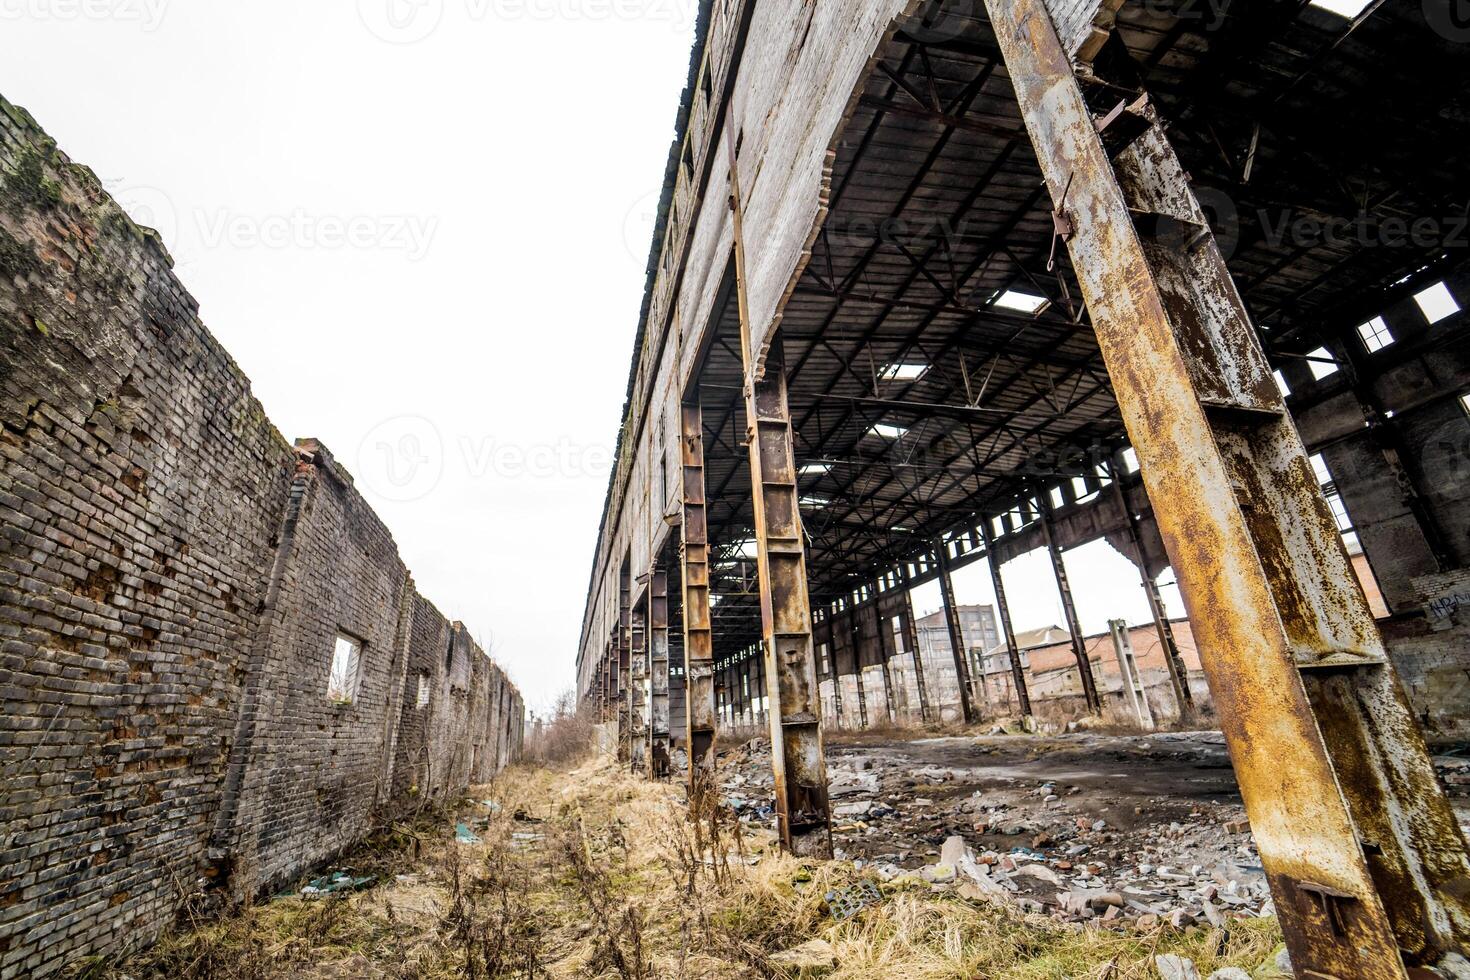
1098	846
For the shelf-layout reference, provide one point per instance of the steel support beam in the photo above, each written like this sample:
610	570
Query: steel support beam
625	664
699	685
798	764
1069	608
1178	672
638	687
911	640
956	636
1003	609
658	673
1366	862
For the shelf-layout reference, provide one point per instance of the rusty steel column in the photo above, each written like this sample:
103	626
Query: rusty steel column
1003	609
799	766
885	640
699	667
857	669
625	664
658	674
956	636
911	640
1178	672
1069	608
638	688
1366	863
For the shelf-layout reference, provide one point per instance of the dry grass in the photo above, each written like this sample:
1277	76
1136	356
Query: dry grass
626	880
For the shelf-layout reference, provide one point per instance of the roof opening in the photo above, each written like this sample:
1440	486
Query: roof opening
885	431
1281	383
903	371
1343	8
1012	299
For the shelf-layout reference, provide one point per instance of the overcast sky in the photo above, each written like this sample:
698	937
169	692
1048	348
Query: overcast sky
420	227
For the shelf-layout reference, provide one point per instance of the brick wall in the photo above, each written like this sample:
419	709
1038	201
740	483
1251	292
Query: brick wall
173	577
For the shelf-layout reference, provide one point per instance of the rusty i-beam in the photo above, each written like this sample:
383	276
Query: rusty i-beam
1178	672
699	666
638	687
658	673
1367	865
911	640
956	635
1003	610
798	764
1069	608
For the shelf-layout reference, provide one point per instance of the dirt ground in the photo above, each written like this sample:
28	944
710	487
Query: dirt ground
587	871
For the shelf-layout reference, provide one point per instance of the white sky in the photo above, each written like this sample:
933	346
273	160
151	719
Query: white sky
420	227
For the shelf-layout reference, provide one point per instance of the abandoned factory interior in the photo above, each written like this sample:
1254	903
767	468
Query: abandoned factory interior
1035	541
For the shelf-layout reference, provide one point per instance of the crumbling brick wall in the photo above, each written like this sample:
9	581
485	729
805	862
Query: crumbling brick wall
173	575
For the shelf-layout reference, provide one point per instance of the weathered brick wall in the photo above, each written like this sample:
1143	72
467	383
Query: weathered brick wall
173	574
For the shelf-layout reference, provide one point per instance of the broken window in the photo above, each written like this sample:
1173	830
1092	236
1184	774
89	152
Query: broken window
1375	334
422	700
346	660
1322	363
1436	303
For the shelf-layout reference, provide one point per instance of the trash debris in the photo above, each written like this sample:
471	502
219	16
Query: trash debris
336	881
463	834
847	902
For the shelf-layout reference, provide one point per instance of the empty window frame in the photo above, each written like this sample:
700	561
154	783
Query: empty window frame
346	663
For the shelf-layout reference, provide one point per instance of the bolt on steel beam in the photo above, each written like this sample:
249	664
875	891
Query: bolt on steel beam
699	687
798	764
1366	863
658	674
956	635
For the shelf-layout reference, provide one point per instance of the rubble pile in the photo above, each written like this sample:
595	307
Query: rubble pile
1060	825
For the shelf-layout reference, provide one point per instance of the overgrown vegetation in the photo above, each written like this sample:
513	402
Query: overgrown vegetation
582	870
